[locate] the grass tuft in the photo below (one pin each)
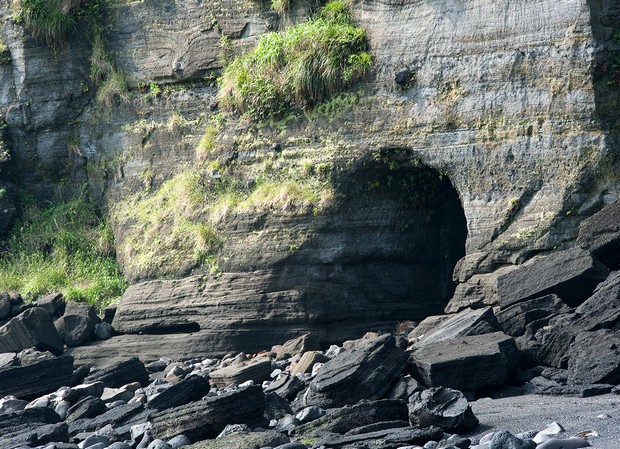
(64, 247)
(299, 67)
(49, 20)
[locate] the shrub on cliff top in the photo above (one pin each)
(64, 247)
(298, 67)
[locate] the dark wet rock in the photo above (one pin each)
(53, 303)
(594, 358)
(103, 331)
(256, 370)
(206, 419)
(120, 374)
(34, 435)
(466, 322)
(79, 374)
(572, 274)
(286, 386)
(5, 305)
(364, 372)
(515, 318)
(467, 363)
(554, 350)
(381, 425)
(115, 416)
(18, 305)
(442, 407)
(403, 388)
(244, 440)
(276, 406)
(77, 324)
(384, 438)
(192, 388)
(33, 328)
(37, 374)
(28, 417)
(363, 413)
(600, 234)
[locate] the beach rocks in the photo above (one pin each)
(441, 407)
(192, 388)
(256, 370)
(77, 324)
(363, 372)
(120, 374)
(594, 358)
(466, 363)
(33, 328)
(572, 274)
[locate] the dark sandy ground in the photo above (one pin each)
(534, 412)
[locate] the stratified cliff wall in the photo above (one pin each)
(513, 109)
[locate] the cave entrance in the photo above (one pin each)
(388, 251)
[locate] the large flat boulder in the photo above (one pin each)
(572, 274)
(466, 322)
(206, 419)
(121, 373)
(36, 375)
(600, 234)
(515, 318)
(467, 363)
(366, 371)
(192, 388)
(33, 328)
(594, 358)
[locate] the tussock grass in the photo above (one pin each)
(49, 20)
(64, 247)
(299, 67)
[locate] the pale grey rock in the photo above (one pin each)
(505, 440)
(179, 441)
(256, 370)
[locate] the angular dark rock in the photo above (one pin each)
(554, 350)
(36, 376)
(466, 322)
(403, 388)
(515, 318)
(381, 425)
(467, 363)
(206, 419)
(192, 388)
(29, 416)
(505, 440)
(364, 372)
(276, 406)
(257, 370)
(384, 438)
(594, 358)
(442, 407)
(5, 305)
(120, 374)
(600, 234)
(116, 416)
(34, 435)
(77, 325)
(88, 407)
(363, 413)
(286, 386)
(244, 440)
(571, 274)
(53, 303)
(33, 328)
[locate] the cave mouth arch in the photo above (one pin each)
(387, 251)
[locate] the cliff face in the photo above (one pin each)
(513, 108)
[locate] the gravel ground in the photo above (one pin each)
(534, 412)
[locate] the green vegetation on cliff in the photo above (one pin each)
(49, 20)
(65, 248)
(299, 67)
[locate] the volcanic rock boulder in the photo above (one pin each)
(467, 322)
(245, 440)
(594, 358)
(33, 328)
(364, 372)
(442, 407)
(467, 363)
(192, 388)
(53, 303)
(572, 274)
(600, 234)
(120, 374)
(77, 325)
(37, 374)
(515, 318)
(384, 438)
(361, 414)
(206, 419)
(257, 370)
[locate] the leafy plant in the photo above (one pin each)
(49, 20)
(5, 54)
(64, 247)
(113, 90)
(299, 67)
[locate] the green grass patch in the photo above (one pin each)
(49, 20)
(299, 67)
(62, 248)
(177, 228)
